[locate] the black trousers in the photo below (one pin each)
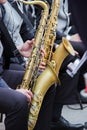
(15, 107)
(45, 115)
(13, 103)
(13, 77)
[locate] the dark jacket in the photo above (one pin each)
(78, 9)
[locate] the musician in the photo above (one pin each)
(7, 72)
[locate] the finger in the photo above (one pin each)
(42, 51)
(30, 93)
(30, 42)
(76, 53)
(42, 63)
(42, 67)
(28, 97)
(33, 40)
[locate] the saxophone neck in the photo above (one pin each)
(43, 4)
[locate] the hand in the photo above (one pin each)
(26, 92)
(42, 65)
(26, 48)
(3, 1)
(75, 38)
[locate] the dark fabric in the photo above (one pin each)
(1, 65)
(30, 32)
(45, 115)
(12, 77)
(2, 12)
(57, 111)
(15, 108)
(79, 47)
(31, 16)
(78, 9)
(16, 67)
(6, 54)
(8, 44)
(3, 84)
(67, 92)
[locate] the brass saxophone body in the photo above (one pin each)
(53, 60)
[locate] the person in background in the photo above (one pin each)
(79, 18)
(66, 28)
(78, 10)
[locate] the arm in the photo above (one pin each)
(26, 48)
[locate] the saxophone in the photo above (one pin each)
(34, 59)
(50, 74)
